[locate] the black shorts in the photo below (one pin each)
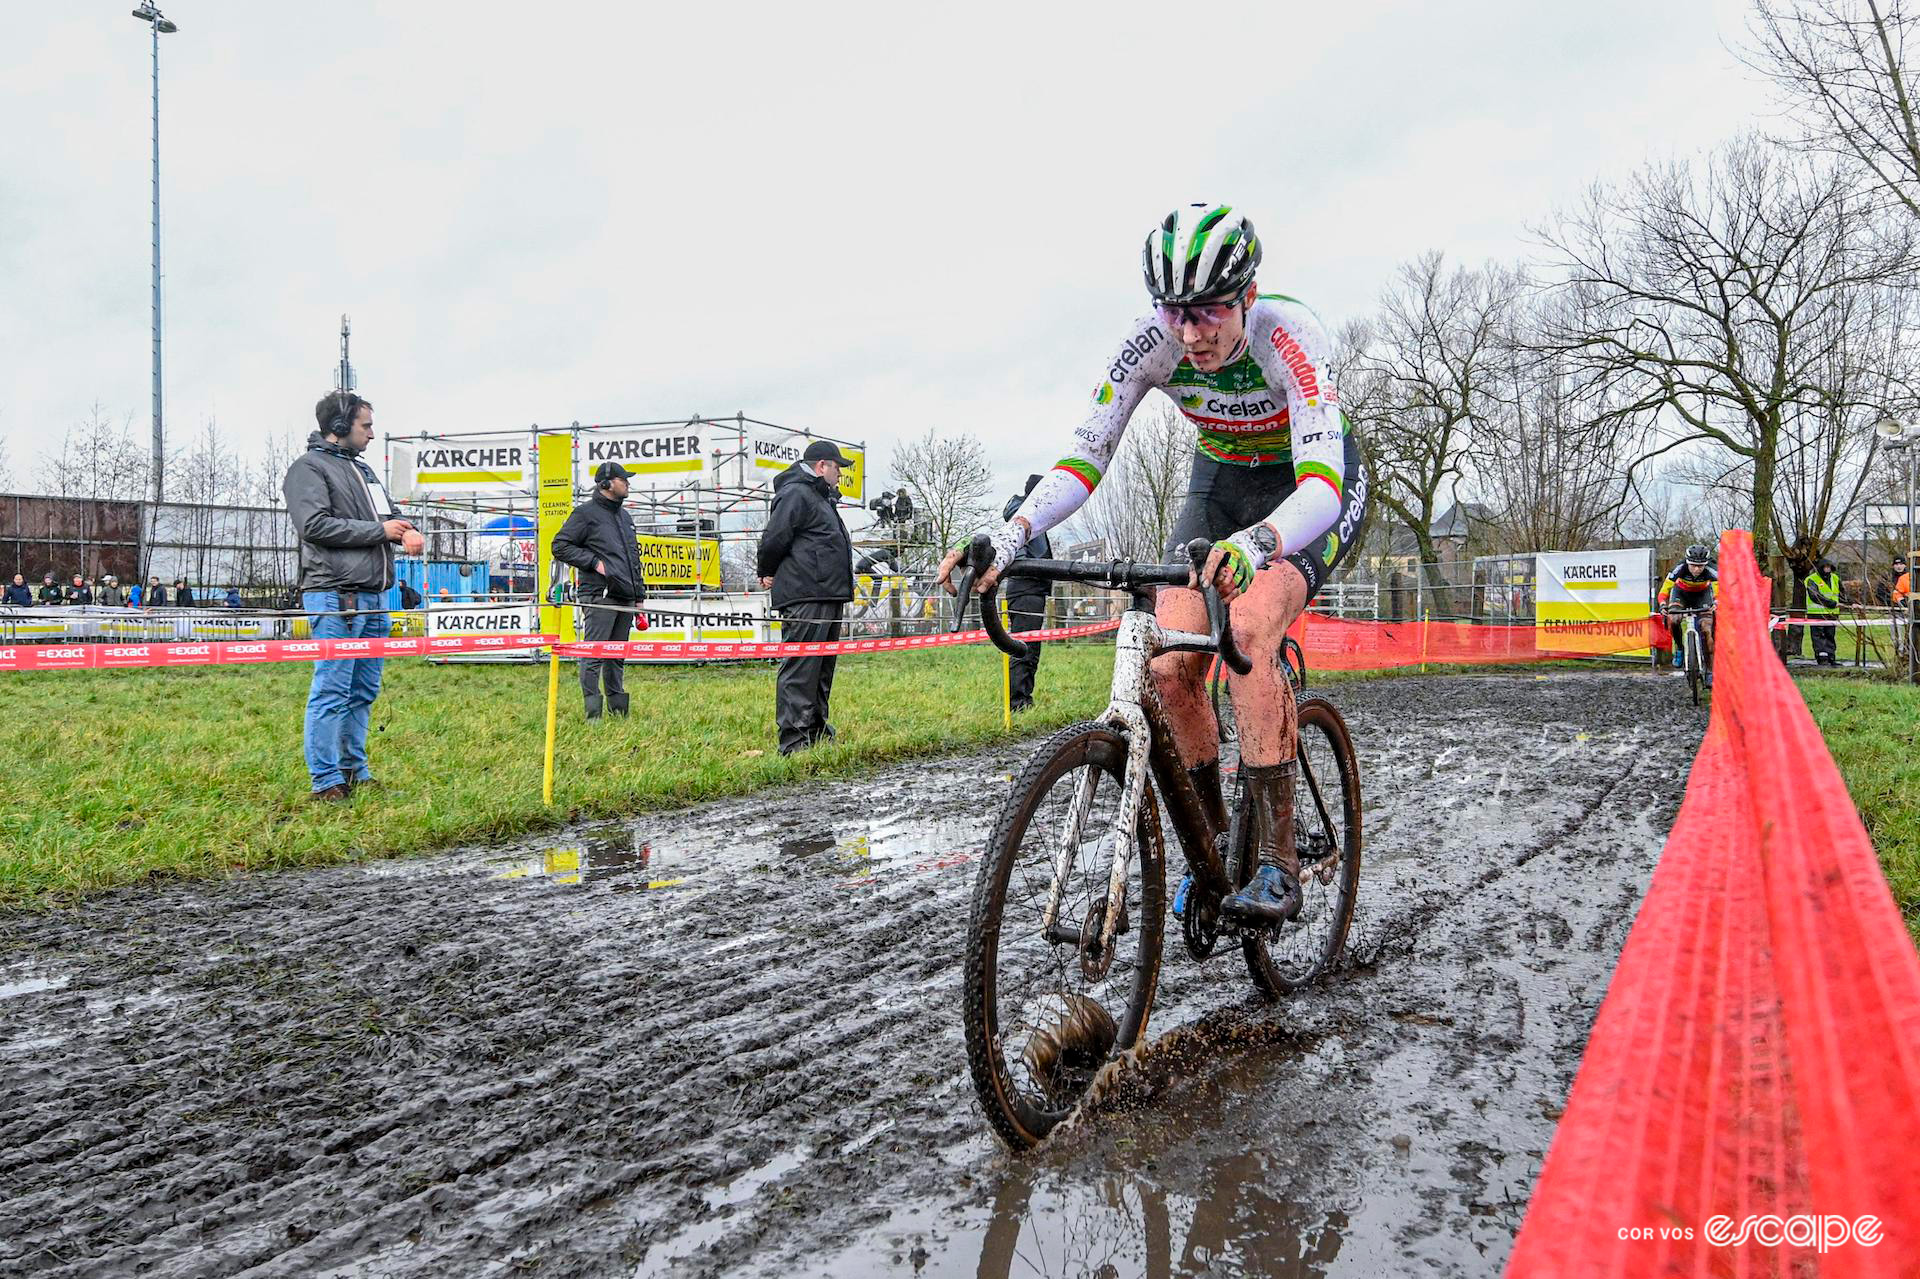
(1222, 499)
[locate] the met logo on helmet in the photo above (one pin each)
(1298, 364)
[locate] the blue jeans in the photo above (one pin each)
(341, 698)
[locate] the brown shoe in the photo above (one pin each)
(364, 783)
(334, 794)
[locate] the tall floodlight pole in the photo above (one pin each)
(152, 16)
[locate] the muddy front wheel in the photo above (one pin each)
(1326, 827)
(1047, 1003)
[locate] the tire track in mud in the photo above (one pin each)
(425, 1068)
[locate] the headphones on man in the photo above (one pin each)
(346, 404)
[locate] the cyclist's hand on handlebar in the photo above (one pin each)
(1007, 540)
(1222, 571)
(981, 585)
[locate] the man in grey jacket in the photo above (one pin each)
(347, 528)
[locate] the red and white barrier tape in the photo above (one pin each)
(62, 657)
(721, 649)
(1781, 621)
(1749, 1101)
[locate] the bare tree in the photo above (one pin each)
(1419, 385)
(1711, 304)
(951, 483)
(1547, 468)
(95, 458)
(1842, 64)
(1139, 497)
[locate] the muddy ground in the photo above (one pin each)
(726, 1040)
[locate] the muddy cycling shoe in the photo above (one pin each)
(1273, 897)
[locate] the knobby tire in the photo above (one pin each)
(1015, 1114)
(1311, 944)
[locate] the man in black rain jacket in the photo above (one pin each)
(598, 540)
(806, 558)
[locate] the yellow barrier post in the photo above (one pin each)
(553, 719)
(1006, 679)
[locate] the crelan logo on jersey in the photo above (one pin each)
(1299, 365)
(1191, 401)
(1136, 349)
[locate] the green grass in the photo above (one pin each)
(1872, 728)
(124, 776)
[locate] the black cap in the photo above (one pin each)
(824, 451)
(608, 472)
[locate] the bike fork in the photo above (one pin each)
(1125, 841)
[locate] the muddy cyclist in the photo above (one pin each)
(1277, 486)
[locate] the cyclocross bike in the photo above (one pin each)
(1693, 647)
(1066, 931)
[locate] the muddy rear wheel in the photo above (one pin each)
(1044, 1012)
(1326, 827)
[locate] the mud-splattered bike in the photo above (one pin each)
(1693, 649)
(1066, 932)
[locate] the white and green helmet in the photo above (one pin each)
(1200, 253)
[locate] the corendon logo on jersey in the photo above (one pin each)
(1136, 349)
(1299, 365)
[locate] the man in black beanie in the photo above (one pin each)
(1026, 606)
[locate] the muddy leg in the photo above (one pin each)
(1269, 739)
(1181, 681)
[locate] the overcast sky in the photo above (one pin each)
(862, 220)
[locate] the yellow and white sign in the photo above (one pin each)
(771, 452)
(486, 619)
(679, 561)
(656, 456)
(462, 466)
(726, 617)
(556, 503)
(1577, 588)
(853, 479)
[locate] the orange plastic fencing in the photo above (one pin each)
(1749, 1102)
(1331, 643)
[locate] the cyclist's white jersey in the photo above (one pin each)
(1271, 404)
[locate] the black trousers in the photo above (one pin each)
(805, 684)
(1824, 637)
(1025, 612)
(604, 624)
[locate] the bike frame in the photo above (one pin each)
(1134, 708)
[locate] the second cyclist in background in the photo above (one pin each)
(1692, 583)
(1277, 485)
